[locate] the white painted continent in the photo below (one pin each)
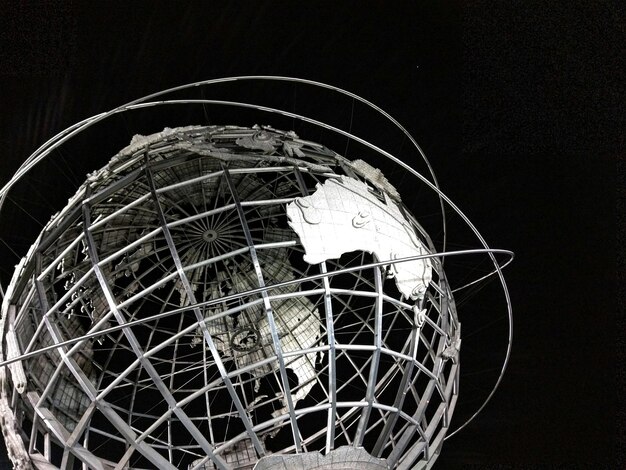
(343, 215)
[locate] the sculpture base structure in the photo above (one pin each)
(343, 458)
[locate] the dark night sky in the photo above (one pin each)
(513, 104)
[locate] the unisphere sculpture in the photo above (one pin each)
(235, 298)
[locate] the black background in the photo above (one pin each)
(514, 104)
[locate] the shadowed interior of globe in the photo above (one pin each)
(233, 346)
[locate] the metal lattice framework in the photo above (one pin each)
(166, 318)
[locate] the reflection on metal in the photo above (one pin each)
(235, 298)
(345, 215)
